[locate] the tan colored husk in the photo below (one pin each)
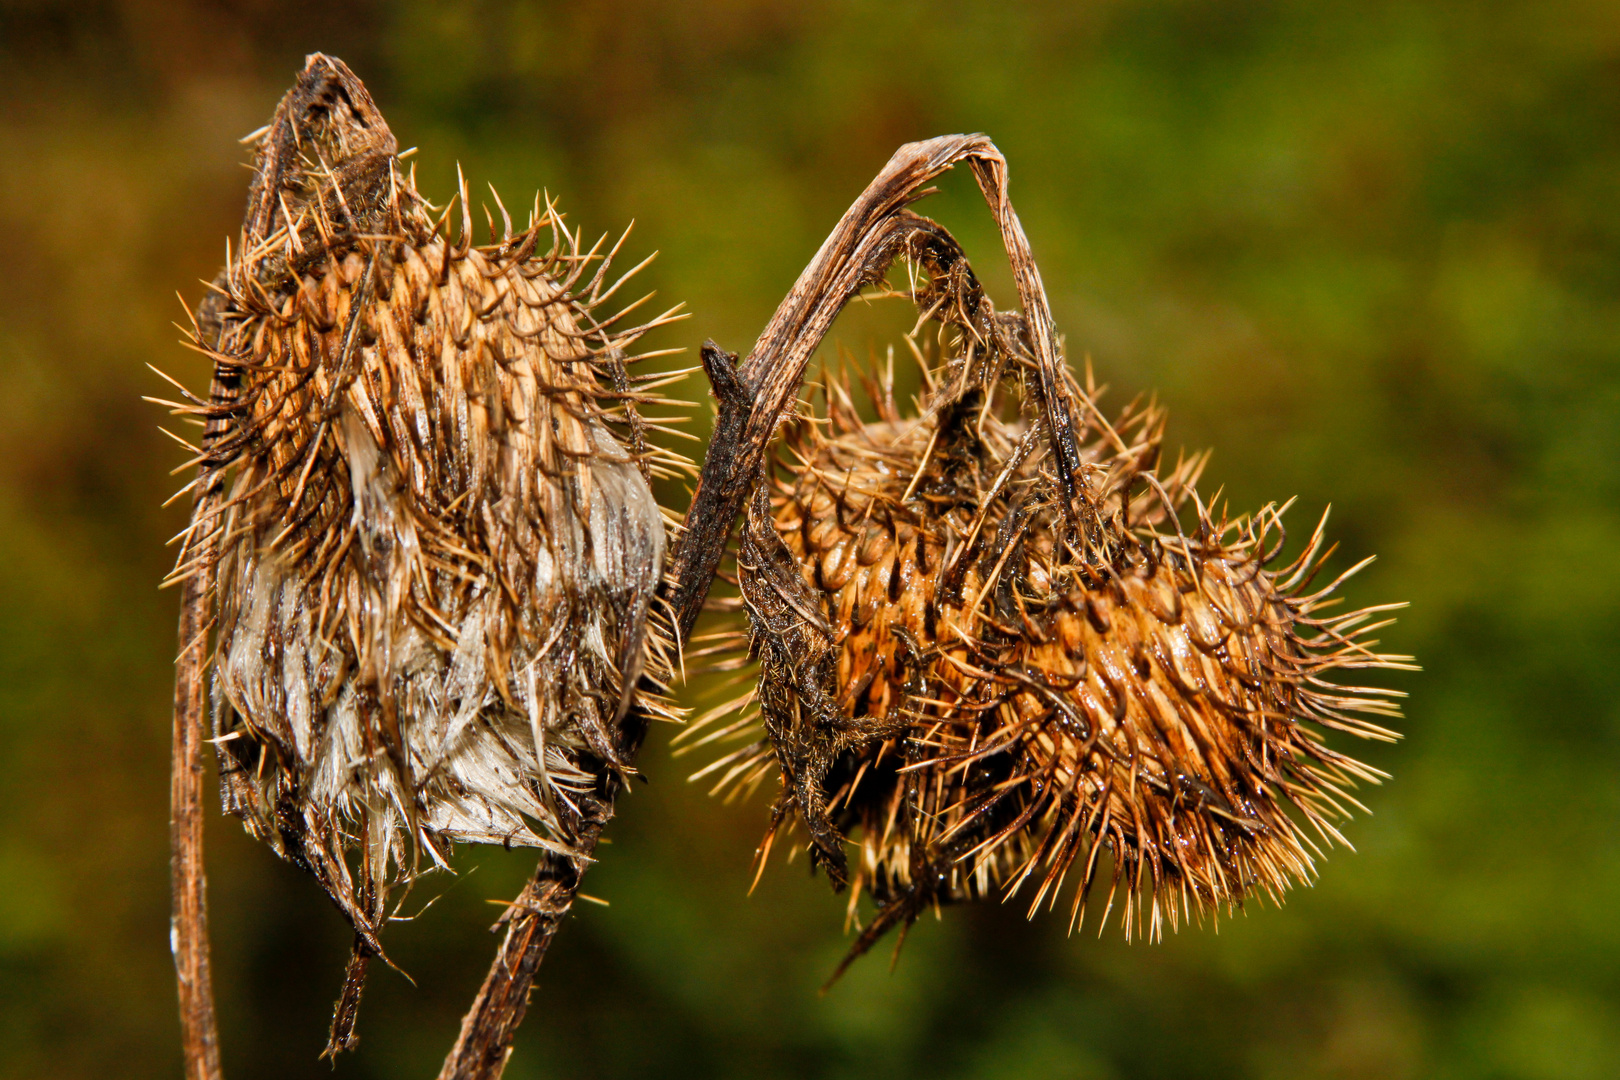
(1005, 702)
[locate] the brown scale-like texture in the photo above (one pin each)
(979, 700)
(426, 515)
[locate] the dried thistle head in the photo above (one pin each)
(424, 513)
(983, 678)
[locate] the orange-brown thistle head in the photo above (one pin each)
(425, 512)
(983, 694)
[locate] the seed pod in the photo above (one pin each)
(425, 511)
(982, 687)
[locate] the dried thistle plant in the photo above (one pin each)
(427, 582)
(984, 668)
(424, 528)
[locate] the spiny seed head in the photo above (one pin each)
(982, 699)
(425, 512)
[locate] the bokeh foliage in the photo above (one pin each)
(1369, 251)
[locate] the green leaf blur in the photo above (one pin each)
(1369, 252)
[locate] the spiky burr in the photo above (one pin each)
(982, 688)
(424, 525)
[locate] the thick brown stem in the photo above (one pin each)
(487, 1030)
(188, 920)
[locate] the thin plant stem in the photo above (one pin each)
(188, 919)
(485, 1042)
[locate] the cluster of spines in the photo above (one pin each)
(1042, 828)
(310, 237)
(270, 470)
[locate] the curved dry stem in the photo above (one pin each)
(757, 394)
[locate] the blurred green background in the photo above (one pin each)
(1369, 252)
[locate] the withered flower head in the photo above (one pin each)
(424, 514)
(984, 678)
